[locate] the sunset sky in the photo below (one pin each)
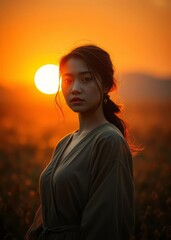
(137, 34)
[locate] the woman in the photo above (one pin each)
(87, 190)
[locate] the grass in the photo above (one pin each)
(23, 158)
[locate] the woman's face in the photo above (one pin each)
(81, 91)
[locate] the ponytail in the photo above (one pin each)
(110, 110)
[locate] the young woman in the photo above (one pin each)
(87, 190)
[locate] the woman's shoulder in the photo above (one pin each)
(61, 142)
(110, 144)
(64, 139)
(109, 132)
(108, 136)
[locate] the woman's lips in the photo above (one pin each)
(76, 100)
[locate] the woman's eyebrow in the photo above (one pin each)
(67, 74)
(85, 72)
(80, 73)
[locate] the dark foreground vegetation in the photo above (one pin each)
(23, 159)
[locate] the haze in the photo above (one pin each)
(137, 34)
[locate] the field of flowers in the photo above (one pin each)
(23, 159)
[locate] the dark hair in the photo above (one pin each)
(100, 64)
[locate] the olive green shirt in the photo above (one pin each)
(89, 195)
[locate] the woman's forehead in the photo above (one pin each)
(74, 65)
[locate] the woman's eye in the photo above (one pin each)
(67, 80)
(86, 79)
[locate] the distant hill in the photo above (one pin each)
(133, 87)
(143, 87)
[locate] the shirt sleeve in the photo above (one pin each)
(109, 212)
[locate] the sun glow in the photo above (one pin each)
(47, 79)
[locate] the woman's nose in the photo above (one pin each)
(76, 88)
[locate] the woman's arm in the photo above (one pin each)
(36, 228)
(109, 212)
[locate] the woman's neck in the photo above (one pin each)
(89, 122)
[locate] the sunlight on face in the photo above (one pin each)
(47, 79)
(80, 88)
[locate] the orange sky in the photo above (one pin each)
(136, 33)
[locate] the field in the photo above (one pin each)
(26, 146)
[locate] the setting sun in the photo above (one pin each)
(47, 79)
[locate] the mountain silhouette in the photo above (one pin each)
(144, 87)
